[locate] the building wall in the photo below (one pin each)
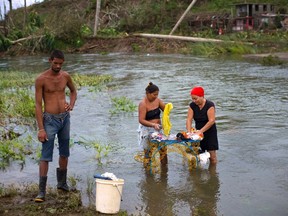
(243, 10)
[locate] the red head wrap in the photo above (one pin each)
(198, 90)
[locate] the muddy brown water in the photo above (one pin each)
(251, 177)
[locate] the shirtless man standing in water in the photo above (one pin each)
(53, 119)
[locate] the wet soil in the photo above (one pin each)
(56, 203)
(281, 55)
(131, 44)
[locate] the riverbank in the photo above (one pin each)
(127, 44)
(132, 44)
(20, 201)
(136, 44)
(283, 56)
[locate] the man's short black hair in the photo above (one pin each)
(57, 54)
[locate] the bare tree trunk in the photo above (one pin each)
(25, 13)
(185, 38)
(10, 5)
(8, 19)
(5, 20)
(182, 17)
(194, 39)
(98, 5)
(27, 38)
(2, 15)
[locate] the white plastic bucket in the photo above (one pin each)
(108, 195)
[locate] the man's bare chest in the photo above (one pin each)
(55, 85)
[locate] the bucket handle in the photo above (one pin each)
(119, 192)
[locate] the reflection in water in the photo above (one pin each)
(154, 189)
(206, 189)
(199, 194)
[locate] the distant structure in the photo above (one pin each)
(245, 17)
(284, 22)
(204, 21)
(252, 16)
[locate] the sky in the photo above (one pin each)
(15, 4)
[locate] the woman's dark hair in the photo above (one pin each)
(57, 54)
(151, 88)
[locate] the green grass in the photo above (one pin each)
(122, 105)
(95, 82)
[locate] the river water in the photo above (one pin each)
(251, 177)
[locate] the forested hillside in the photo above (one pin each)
(68, 23)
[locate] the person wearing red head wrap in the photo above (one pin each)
(202, 111)
(198, 90)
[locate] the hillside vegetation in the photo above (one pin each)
(69, 25)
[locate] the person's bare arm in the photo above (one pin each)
(38, 102)
(42, 136)
(73, 94)
(161, 105)
(189, 119)
(142, 114)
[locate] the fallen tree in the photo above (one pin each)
(27, 38)
(193, 39)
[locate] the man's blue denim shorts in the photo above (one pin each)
(56, 124)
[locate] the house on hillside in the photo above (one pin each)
(252, 16)
(246, 16)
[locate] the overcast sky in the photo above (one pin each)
(15, 4)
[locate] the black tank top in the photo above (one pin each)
(153, 114)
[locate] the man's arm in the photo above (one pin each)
(42, 136)
(73, 93)
(38, 102)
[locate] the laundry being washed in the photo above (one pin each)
(106, 176)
